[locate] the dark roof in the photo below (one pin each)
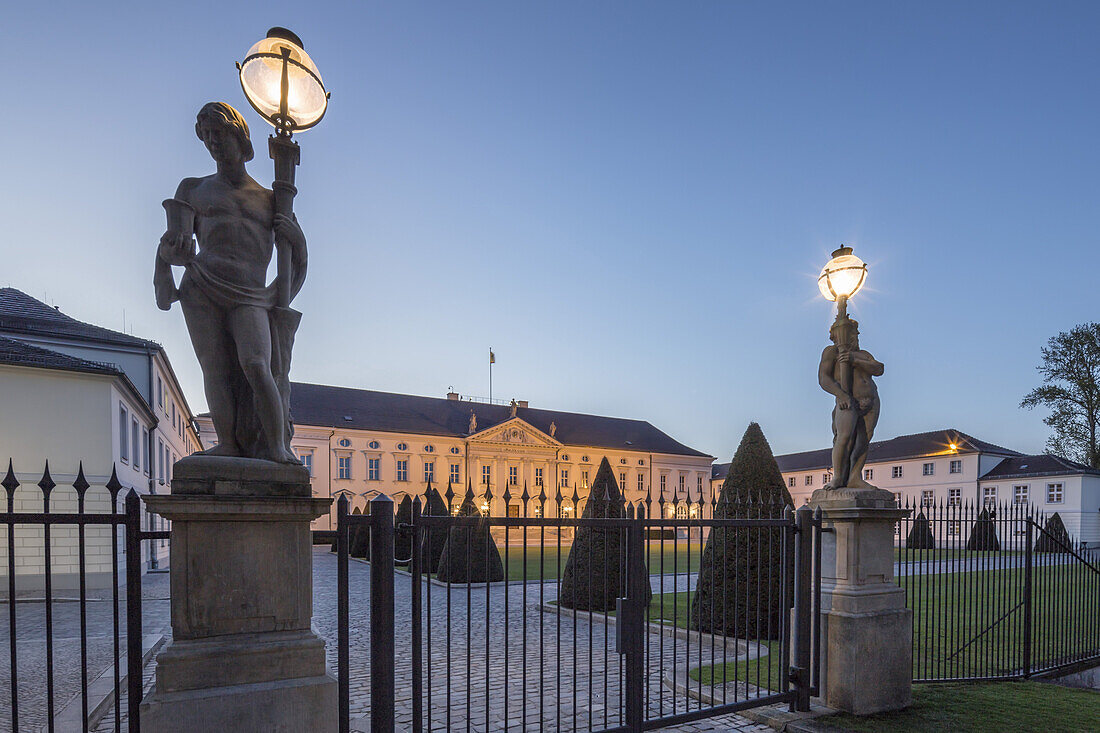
(1043, 464)
(719, 470)
(936, 442)
(20, 313)
(362, 409)
(22, 354)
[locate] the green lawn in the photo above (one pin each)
(985, 707)
(547, 563)
(927, 556)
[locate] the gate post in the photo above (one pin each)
(803, 570)
(382, 659)
(1028, 558)
(867, 632)
(630, 624)
(133, 611)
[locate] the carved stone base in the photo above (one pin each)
(867, 632)
(243, 656)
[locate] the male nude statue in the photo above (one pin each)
(846, 372)
(236, 326)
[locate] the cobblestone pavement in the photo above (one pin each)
(30, 639)
(583, 690)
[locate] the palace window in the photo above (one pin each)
(160, 460)
(344, 466)
(160, 392)
(681, 483)
(898, 498)
(307, 461)
(826, 478)
(989, 496)
(455, 450)
(402, 469)
(790, 482)
(682, 511)
(868, 474)
(956, 466)
(374, 469)
(664, 481)
(584, 478)
(513, 510)
(1054, 493)
(429, 471)
(699, 485)
(565, 478)
(402, 446)
(1019, 494)
(145, 451)
(538, 476)
(344, 443)
(895, 472)
(622, 480)
(513, 476)
(928, 469)
(954, 497)
(926, 497)
(486, 474)
(809, 480)
(123, 433)
(565, 510)
(953, 527)
(454, 473)
(373, 445)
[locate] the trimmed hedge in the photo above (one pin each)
(920, 535)
(431, 545)
(470, 554)
(740, 590)
(402, 541)
(983, 535)
(1055, 538)
(593, 576)
(359, 538)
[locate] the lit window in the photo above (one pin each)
(513, 510)
(123, 434)
(956, 467)
(584, 478)
(1019, 494)
(868, 474)
(429, 471)
(344, 464)
(135, 439)
(809, 479)
(538, 476)
(454, 473)
(1054, 493)
(374, 469)
(486, 474)
(565, 511)
(403, 469)
(565, 477)
(953, 527)
(926, 497)
(954, 497)
(895, 472)
(928, 469)
(513, 475)
(989, 496)
(681, 511)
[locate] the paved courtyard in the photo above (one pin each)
(541, 671)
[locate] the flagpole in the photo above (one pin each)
(491, 360)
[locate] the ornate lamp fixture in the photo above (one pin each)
(282, 84)
(842, 277)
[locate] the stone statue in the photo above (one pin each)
(242, 334)
(513, 407)
(846, 372)
(553, 428)
(473, 423)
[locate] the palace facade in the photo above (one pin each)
(360, 443)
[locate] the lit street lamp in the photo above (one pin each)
(283, 85)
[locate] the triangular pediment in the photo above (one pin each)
(515, 431)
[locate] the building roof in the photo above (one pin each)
(362, 409)
(20, 313)
(936, 442)
(1043, 464)
(18, 353)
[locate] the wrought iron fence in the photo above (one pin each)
(635, 625)
(43, 538)
(997, 592)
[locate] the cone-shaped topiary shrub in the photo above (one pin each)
(433, 540)
(740, 590)
(359, 538)
(593, 576)
(920, 535)
(1054, 537)
(983, 535)
(402, 541)
(470, 554)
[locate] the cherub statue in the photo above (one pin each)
(241, 332)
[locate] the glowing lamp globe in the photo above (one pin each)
(282, 83)
(843, 276)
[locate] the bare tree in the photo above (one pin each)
(1071, 389)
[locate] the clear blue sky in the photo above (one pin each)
(629, 201)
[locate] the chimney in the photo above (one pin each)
(521, 403)
(452, 395)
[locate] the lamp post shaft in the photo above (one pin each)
(286, 154)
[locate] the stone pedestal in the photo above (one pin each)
(867, 632)
(243, 656)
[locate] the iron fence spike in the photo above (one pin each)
(113, 484)
(10, 483)
(80, 484)
(46, 482)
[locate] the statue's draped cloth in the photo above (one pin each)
(283, 323)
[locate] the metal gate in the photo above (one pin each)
(619, 641)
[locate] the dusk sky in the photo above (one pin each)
(630, 202)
